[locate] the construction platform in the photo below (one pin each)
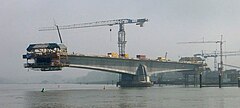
(136, 71)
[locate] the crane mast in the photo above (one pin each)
(215, 55)
(221, 57)
(121, 33)
(220, 67)
(121, 40)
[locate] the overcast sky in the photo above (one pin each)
(170, 21)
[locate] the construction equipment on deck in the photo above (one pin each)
(220, 67)
(121, 33)
(46, 57)
(216, 54)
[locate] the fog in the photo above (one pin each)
(170, 22)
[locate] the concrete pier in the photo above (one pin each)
(141, 79)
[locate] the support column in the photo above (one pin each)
(140, 79)
(220, 80)
(200, 80)
(186, 80)
(238, 82)
(194, 80)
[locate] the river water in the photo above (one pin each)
(95, 96)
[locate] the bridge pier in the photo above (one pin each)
(186, 81)
(140, 79)
(190, 78)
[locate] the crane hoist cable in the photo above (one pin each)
(121, 33)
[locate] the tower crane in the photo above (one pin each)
(220, 67)
(216, 54)
(121, 33)
(207, 55)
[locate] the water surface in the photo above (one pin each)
(94, 96)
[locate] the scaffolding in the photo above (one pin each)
(46, 56)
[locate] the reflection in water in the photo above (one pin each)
(154, 97)
(109, 98)
(49, 99)
(132, 97)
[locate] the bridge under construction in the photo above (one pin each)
(134, 71)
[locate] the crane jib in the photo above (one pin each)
(121, 33)
(98, 23)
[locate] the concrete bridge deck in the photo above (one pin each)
(127, 66)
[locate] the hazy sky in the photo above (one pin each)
(170, 21)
